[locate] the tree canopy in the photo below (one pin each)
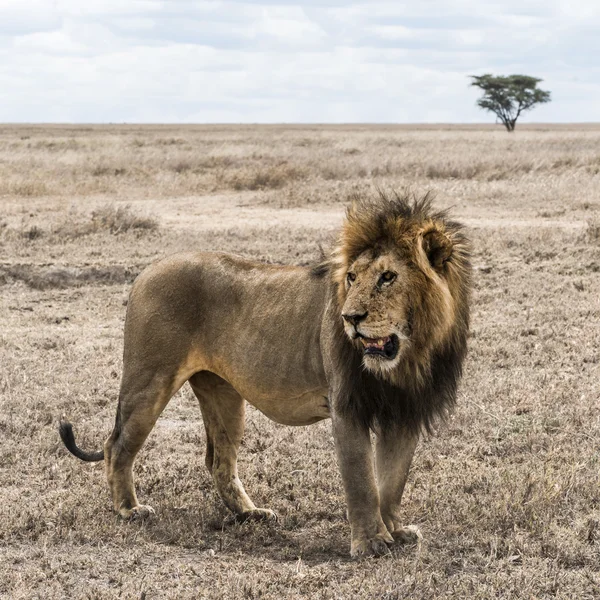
(509, 96)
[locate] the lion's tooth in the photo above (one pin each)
(380, 342)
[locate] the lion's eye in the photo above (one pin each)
(387, 277)
(351, 277)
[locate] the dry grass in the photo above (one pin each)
(163, 162)
(507, 494)
(593, 230)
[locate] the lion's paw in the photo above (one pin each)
(141, 512)
(256, 514)
(375, 546)
(407, 535)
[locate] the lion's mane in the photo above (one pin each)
(423, 386)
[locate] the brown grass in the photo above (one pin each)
(593, 230)
(65, 161)
(507, 493)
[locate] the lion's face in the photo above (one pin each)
(398, 315)
(396, 300)
(376, 311)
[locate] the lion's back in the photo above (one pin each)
(228, 305)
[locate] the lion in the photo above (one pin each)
(373, 338)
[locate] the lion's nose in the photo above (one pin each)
(355, 318)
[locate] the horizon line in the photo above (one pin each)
(291, 123)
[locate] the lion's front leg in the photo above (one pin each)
(355, 457)
(394, 451)
(223, 412)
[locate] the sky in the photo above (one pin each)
(185, 61)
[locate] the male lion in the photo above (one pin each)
(374, 339)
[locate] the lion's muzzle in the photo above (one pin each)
(386, 347)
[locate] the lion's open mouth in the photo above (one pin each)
(386, 347)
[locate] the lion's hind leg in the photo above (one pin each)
(143, 397)
(223, 411)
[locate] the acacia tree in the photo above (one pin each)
(509, 96)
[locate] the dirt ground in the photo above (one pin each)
(506, 493)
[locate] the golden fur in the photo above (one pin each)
(373, 338)
(434, 256)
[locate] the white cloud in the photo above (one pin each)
(182, 60)
(18, 18)
(95, 8)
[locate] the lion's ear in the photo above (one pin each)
(438, 247)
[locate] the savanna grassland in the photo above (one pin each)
(506, 493)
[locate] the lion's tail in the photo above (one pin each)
(65, 429)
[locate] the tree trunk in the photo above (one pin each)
(509, 123)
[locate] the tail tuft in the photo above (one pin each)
(65, 429)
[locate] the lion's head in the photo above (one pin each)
(401, 282)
